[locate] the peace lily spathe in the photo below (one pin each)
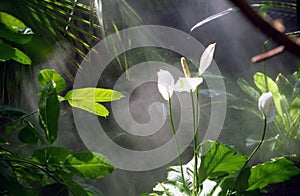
(166, 85)
(206, 58)
(267, 106)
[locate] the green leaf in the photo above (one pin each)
(11, 22)
(275, 171)
(49, 111)
(53, 154)
(47, 75)
(8, 52)
(93, 95)
(89, 165)
(11, 112)
(21, 57)
(87, 98)
(245, 86)
(266, 84)
(285, 86)
(9, 182)
(13, 29)
(20, 37)
(73, 187)
(27, 135)
(218, 160)
(92, 107)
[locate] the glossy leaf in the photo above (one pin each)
(53, 154)
(245, 86)
(73, 186)
(8, 52)
(11, 22)
(21, 57)
(93, 95)
(20, 37)
(13, 29)
(285, 87)
(275, 171)
(49, 111)
(47, 75)
(89, 165)
(9, 182)
(218, 160)
(265, 84)
(88, 98)
(11, 112)
(27, 135)
(92, 107)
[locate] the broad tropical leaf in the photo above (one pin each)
(49, 111)
(53, 154)
(265, 84)
(47, 75)
(89, 165)
(88, 98)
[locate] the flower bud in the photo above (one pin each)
(267, 106)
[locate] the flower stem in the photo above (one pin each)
(258, 146)
(195, 122)
(176, 141)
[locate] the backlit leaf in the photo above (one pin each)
(275, 171)
(46, 75)
(266, 84)
(89, 165)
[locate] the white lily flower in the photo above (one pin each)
(165, 84)
(187, 84)
(267, 106)
(206, 58)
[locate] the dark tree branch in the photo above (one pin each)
(267, 28)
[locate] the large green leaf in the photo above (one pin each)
(8, 52)
(11, 112)
(53, 154)
(46, 75)
(21, 57)
(49, 111)
(285, 87)
(93, 94)
(73, 186)
(89, 165)
(13, 29)
(11, 22)
(27, 135)
(218, 160)
(275, 171)
(21, 37)
(266, 84)
(92, 107)
(9, 182)
(88, 98)
(245, 86)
